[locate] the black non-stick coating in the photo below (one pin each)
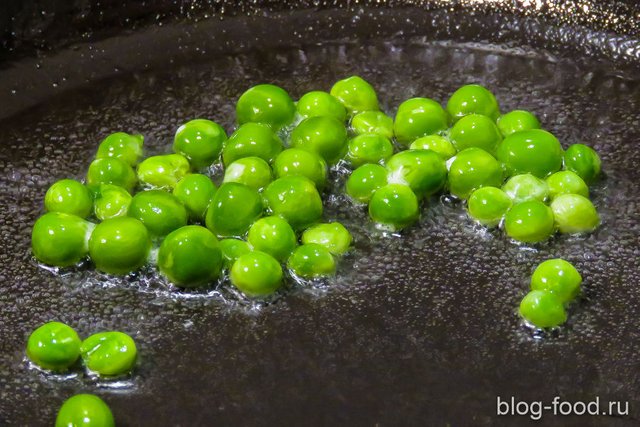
(418, 329)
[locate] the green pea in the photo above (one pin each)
(200, 141)
(195, 192)
(372, 122)
(84, 410)
(159, 211)
(558, 277)
(418, 117)
(53, 346)
(60, 239)
(529, 222)
(333, 236)
(69, 196)
(394, 206)
(584, 161)
(324, 136)
(267, 104)
(164, 171)
(566, 182)
(109, 354)
(119, 245)
(516, 121)
(111, 171)
(296, 199)
(422, 170)
(232, 249)
(369, 148)
(534, 151)
(574, 214)
(437, 143)
(256, 274)
(488, 205)
(471, 169)
(364, 181)
(233, 209)
(310, 261)
(543, 309)
(190, 257)
(273, 235)
(321, 104)
(252, 140)
(355, 94)
(524, 187)
(110, 201)
(250, 171)
(475, 130)
(121, 145)
(297, 162)
(473, 99)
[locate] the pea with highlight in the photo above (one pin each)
(200, 141)
(267, 104)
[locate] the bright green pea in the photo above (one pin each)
(53, 346)
(84, 410)
(473, 99)
(574, 214)
(252, 140)
(418, 117)
(333, 236)
(422, 170)
(516, 121)
(364, 181)
(119, 245)
(69, 196)
(110, 201)
(296, 199)
(232, 249)
(164, 171)
(584, 161)
(471, 169)
(355, 94)
(372, 122)
(256, 274)
(273, 235)
(488, 205)
(369, 148)
(524, 187)
(200, 141)
(566, 182)
(437, 143)
(267, 104)
(297, 162)
(310, 261)
(233, 209)
(159, 211)
(475, 130)
(324, 136)
(534, 151)
(321, 104)
(121, 145)
(60, 239)
(109, 353)
(542, 309)
(529, 222)
(394, 206)
(111, 171)
(190, 257)
(195, 192)
(558, 277)
(250, 171)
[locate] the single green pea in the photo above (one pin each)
(566, 182)
(369, 148)
(418, 117)
(321, 104)
(159, 211)
(267, 104)
(273, 235)
(252, 140)
(437, 143)
(394, 206)
(473, 99)
(422, 170)
(310, 261)
(195, 192)
(324, 136)
(111, 171)
(256, 274)
(250, 171)
(333, 236)
(296, 199)
(543, 309)
(190, 257)
(534, 151)
(524, 187)
(475, 130)
(109, 354)
(53, 346)
(516, 121)
(233, 209)
(488, 205)
(558, 277)
(574, 214)
(123, 146)
(355, 94)
(471, 169)
(297, 162)
(364, 181)
(119, 245)
(200, 141)
(110, 201)
(584, 161)
(372, 122)
(60, 239)
(232, 249)
(69, 196)
(164, 171)
(84, 410)
(529, 222)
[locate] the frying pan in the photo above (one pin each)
(416, 330)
